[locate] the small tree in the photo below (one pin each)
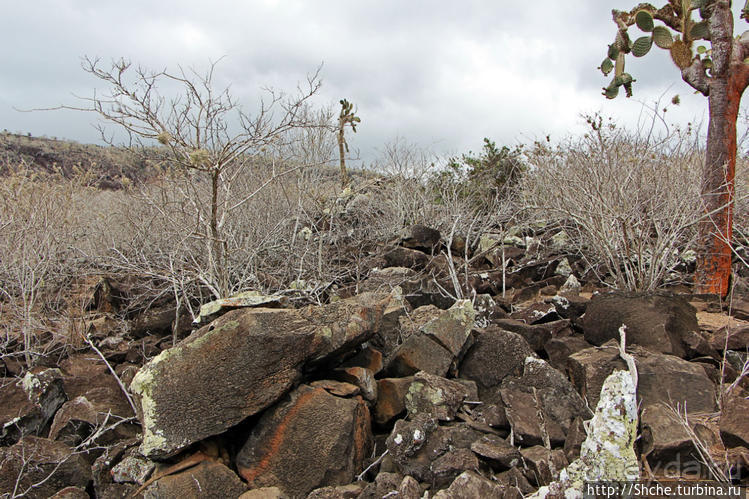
(491, 173)
(203, 131)
(718, 72)
(347, 117)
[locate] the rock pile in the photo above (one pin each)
(401, 387)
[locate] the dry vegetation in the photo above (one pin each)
(629, 204)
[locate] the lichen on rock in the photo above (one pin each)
(607, 454)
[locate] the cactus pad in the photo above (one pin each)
(642, 46)
(611, 91)
(699, 31)
(662, 37)
(606, 66)
(681, 54)
(613, 51)
(644, 21)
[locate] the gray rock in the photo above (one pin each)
(437, 397)
(661, 377)
(657, 322)
(495, 354)
(239, 365)
(470, 485)
(206, 480)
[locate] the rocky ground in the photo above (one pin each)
(426, 379)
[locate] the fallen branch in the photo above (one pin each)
(377, 461)
(117, 378)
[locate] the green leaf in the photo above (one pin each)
(662, 37)
(644, 21)
(642, 46)
(606, 66)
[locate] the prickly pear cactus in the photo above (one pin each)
(642, 46)
(670, 27)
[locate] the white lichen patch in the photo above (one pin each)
(398, 439)
(30, 383)
(142, 384)
(534, 362)
(537, 314)
(563, 302)
(154, 439)
(607, 454)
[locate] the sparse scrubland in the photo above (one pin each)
(115, 258)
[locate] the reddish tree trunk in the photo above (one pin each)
(714, 263)
(728, 79)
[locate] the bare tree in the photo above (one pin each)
(204, 132)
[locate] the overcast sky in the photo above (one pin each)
(443, 74)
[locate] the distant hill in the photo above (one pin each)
(108, 165)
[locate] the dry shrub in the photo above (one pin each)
(632, 201)
(42, 216)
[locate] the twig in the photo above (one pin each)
(117, 378)
(377, 461)
(625, 356)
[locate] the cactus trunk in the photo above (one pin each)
(342, 155)
(728, 81)
(714, 263)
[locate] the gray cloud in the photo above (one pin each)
(442, 74)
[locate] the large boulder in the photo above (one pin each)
(658, 322)
(662, 378)
(495, 354)
(312, 440)
(239, 365)
(434, 339)
(541, 404)
(437, 397)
